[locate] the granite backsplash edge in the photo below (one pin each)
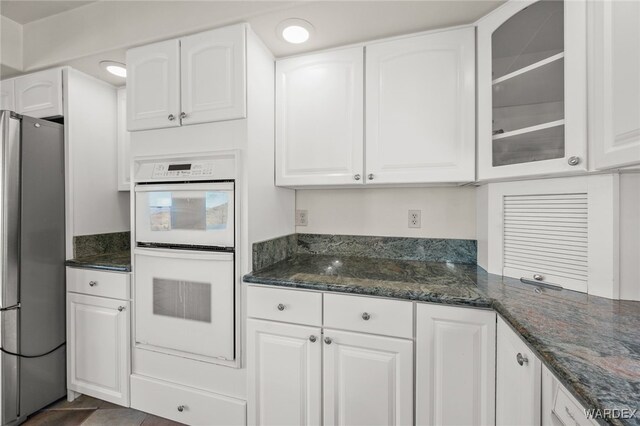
(97, 244)
(269, 252)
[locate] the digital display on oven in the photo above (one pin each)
(174, 167)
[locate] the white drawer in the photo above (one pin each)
(98, 283)
(369, 315)
(186, 405)
(301, 307)
(568, 410)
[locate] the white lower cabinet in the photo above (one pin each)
(518, 380)
(286, 373)
(186, 405)
(368, 379)
(455, 365)
(559, 407)
(98, 347)
(306, 375)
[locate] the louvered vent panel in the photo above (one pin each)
(546, 235)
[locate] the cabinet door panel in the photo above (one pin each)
(39, 94)
(213, 75)
(7, 95)
(532, 90)
(518, 386)
(368, 380)
(420, 124)
(615, 83)
(319, 119)
(284, 367)
(455, 363)
(153, 86)
(98, 354)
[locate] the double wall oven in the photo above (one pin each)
(185, 256)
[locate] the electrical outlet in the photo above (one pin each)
(415, 218)
(302, 218)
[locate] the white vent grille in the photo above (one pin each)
(547, 235)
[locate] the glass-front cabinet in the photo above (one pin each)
(532, 89)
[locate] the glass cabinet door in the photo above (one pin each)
(526, 79)
(528, 85)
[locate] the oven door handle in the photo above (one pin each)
(187, 186)
(183, 254)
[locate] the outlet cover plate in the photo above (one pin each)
(302, 218)
(415, 218)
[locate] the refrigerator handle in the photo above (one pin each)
(10, 131)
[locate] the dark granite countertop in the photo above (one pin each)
(592, 344)
(118, 261)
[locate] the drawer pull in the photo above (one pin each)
(366, 316)
(312, 339)
(328, 340)
(181, 408)
(281, 307)
(521, 359)
(93, 283)
(569, 413)
(121, 308)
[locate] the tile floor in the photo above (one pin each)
(88, 411)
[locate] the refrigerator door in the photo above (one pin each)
(10, 262)
(42, 255)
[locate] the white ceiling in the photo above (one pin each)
(104, 30)
(25, 11)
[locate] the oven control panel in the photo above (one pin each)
(182, 170)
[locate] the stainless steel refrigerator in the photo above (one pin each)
(32, 276)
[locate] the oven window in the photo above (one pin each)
(187, 300)
(217, 210)
(160, 211)
(191, 211)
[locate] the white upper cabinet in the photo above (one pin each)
(124, 143)
(532, 89)
(518, 380)
(420, 108)
(39, 94)
(614, 72)
(7, 95)
(153, 86)
(419, 125)
(213, 76)
(196, 79)
(319, 118)
(455, 365)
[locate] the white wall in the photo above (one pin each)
(447, 212)
(10, 44)
(630, 236)
(97, 206)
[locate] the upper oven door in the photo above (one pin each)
(191, 214)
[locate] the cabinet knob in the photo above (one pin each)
(181, 408)
(93, 283)
(366, 316)
(281, 307)
(183, 115)
(573, 161)
(521, 359)
(121, 308)
(357, 177)
(312, 339)
(328, 340)
(171, 117)
(370, 176)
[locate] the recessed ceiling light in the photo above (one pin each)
(295, 30)
(116, 68)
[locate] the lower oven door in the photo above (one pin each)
(184, 302)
